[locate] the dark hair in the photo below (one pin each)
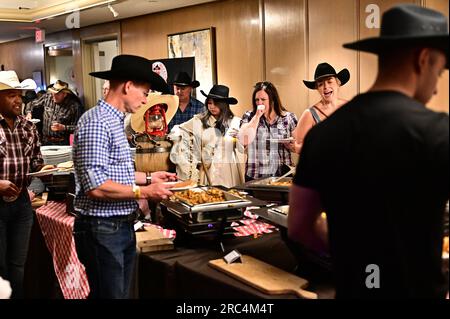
(274, 98)
(225, 115)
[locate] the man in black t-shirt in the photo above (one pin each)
(379, 167)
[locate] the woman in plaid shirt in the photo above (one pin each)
(261, 128)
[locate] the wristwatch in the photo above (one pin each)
(148, 178)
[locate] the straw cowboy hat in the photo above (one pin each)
(407, 24)
(171, 101)
(183, 79)
(326, 70)
(10, 81)
(60, 86)
(133, 68)
(220, 93)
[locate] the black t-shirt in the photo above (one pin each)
(381, 166)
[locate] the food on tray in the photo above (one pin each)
(187, 183)
(237, 193)
(47, 167)
(281, 183)
(68, 164)
(195, 197)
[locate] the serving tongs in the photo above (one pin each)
(291, 171)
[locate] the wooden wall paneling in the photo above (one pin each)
(23, 56)
(238, 40)
(285, 51)
(440, 102)
(369, 62)
(331, 24)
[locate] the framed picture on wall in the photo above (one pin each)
(201, 45)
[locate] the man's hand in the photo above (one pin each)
(57, 127)
(159, 177)
(156, 192)
(8, 189)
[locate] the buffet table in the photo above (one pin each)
(179, 273)
(184, 272)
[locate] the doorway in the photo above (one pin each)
(59, 65)
(97, 56)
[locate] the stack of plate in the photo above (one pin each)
(55, 154)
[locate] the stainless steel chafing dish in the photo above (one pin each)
(184, 206)
(270, 184)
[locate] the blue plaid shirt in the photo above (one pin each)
(194, 107)
(101, 153)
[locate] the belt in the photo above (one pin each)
(120, 218)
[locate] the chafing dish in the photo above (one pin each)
(270, 184)
(274, 214)
(183, 205)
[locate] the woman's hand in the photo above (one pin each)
(290, 146)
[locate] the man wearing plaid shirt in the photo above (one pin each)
(188, 105)
(106, 183)
(19, 153)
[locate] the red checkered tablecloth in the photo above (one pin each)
(57, 228)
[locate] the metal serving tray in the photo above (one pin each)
(265, 184)
(184, 207)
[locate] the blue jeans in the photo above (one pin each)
(107, 249)
(16, 219)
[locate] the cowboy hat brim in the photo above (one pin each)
(23, 86)
(137, 119)
(379, 44)
(52, 90)
(343, 76)
(156, 82)
(194, 84)
(229, 100)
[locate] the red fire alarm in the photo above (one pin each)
(39, 35)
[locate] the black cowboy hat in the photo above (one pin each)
(220, 93)
(183, 79)
(407, 24)
(325, 70)
(133, 68)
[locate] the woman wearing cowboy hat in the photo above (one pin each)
(204, 148)
(327, 82)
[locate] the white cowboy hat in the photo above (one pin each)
(137, 119)
(10, 81)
